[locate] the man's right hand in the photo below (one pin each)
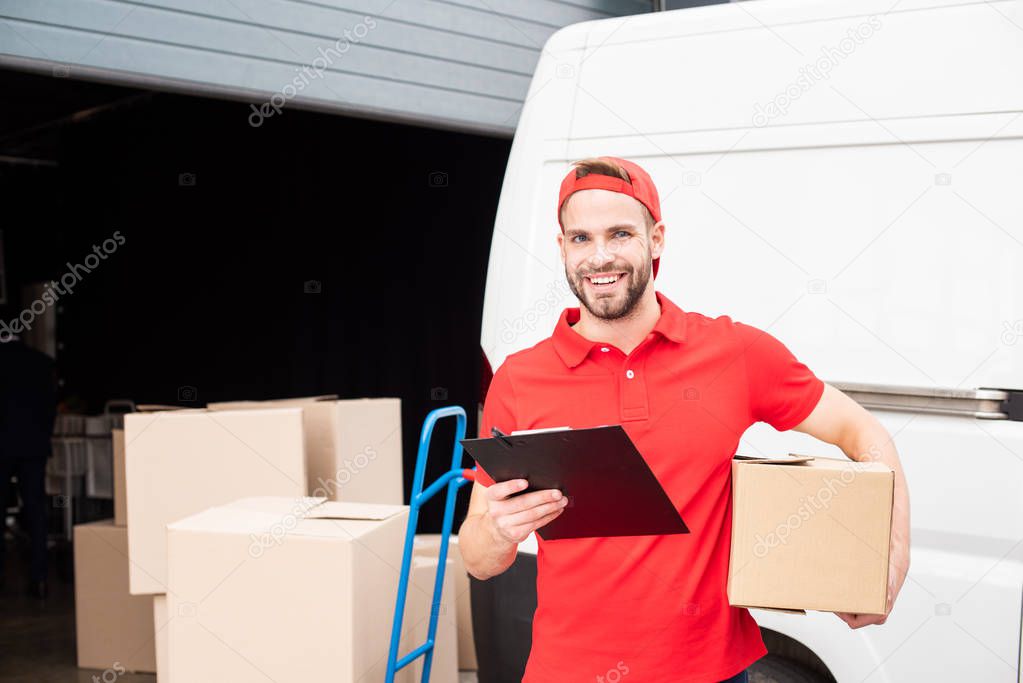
(511, 520)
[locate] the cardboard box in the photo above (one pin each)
(114, 629)
(353, 447)
(120, 488)
(810, 533)
(415, 624)
(183, 461)
(428, 545)
(161, 630)
(289, 590)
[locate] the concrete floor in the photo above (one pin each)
(37, 638)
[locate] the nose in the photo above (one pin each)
(600, 256)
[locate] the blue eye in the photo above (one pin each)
(576, 238)
(622, 233)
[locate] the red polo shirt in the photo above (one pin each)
(652, 607)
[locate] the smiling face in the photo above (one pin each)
(608, 246)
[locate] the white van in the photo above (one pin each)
(849, 177)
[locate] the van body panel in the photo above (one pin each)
(873, 222)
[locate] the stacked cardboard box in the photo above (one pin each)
(161, 622)
(183, 461)
(428, 545)
(353, 447)
(120, 488)
(113, 627)
(416, 622)
(173, 464)
(286, 589)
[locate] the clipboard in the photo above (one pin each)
(611, 490)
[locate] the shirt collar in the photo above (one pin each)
(573, 347)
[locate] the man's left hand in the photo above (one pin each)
(898, 567)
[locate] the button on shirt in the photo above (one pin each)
(685, 395)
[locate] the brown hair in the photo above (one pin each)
(602, 166)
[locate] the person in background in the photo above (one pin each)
(28, 408)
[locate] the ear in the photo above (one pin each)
(657, 239)
(561, 246)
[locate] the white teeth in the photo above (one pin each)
(605, 280)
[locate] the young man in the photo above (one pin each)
(684, 387)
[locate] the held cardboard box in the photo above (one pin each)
(181, 462)
(415, 624)
(114, 628)
(353, 447)
(284, 589)
(120, 497)
(161, 629)
(428, 545)
(810, 534)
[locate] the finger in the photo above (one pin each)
(546, 519)
(851, 620)
(861, 620)
(526, 501)
(523, 531)
(502, 490)
(531, 515)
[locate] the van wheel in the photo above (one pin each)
(774, 669)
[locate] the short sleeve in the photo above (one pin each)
(782, 390)
(498, 411)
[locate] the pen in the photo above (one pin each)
(498, 434)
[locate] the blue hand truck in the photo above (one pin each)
(453, 479)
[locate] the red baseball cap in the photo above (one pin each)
(641, 189)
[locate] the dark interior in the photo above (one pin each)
(314, 254)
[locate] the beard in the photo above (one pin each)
(619, 305)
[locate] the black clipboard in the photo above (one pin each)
(611, 490)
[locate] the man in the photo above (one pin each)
(684, 387)
(28, 408)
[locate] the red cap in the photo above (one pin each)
(642, 189)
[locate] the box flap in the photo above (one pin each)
(783, 610)
(305, 399)
(246, 515)
(302, 516)
(790, 459)
(278, 504)
(365, 511)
